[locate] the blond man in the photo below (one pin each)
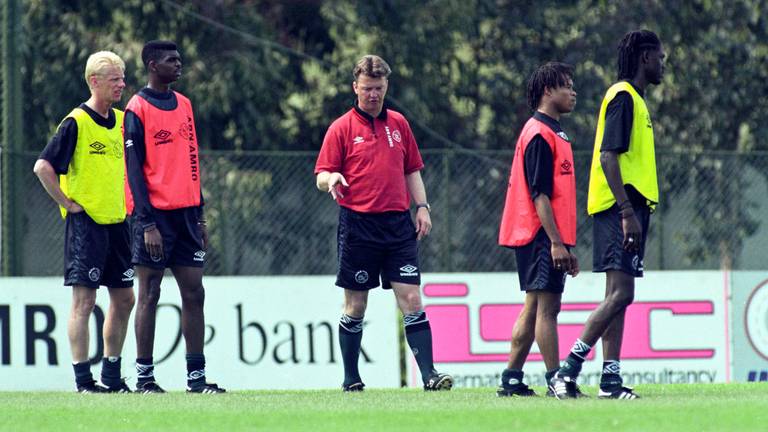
(83, 170)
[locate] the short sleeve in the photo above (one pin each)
(538, 166)
(618, 123)
(331, 153)
(413, 160)
(60, 149)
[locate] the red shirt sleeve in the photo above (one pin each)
(413, 161)
(332, 152)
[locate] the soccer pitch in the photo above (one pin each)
(712, 407)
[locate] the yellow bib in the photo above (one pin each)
(96, 175)
(638, 164)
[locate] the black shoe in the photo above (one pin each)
(91, 387)
(354, 387)
(149, 387)
(439, 382)
(515, 390)
(619, 392)
(565, 387)
(122, 387)
(205, 388)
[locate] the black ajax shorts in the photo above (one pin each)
(535, 268)
(96, 254)
(182, 240)
(376, 245)
(608, 253)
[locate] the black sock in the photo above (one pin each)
(350, 337)
(511, 378)
(572, 364)
(195, 369)
(611, 377)
(145, 371)
(110, 371)
(418, 333)
(83, 373)
(549, 374)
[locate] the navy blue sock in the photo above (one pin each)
(195, 369)
(511, 378)
(418, 333)
(83, 373)
(110, 371)
(549, 374)
(350, 338)
(611, 376)
(571, 367)
(145, 371)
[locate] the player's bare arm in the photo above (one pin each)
(419, 194)
(633, 233)
(561, 257)
(50, 181)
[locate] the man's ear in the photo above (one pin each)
(644, 57)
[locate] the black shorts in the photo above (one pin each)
(96, 254)
(607, 249)
(182, 240)
(535, 268)
(373, 246)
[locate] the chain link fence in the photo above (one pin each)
(266, 217)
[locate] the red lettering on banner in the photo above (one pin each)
(452, 330)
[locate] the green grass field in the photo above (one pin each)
(713, 407)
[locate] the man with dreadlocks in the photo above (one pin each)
(623, 191)
(539, 221)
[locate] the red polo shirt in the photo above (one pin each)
(374, 155)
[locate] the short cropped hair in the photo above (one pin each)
(101, 60)
(552, 75)
(631, 47)
(372, 66)
(153, 50)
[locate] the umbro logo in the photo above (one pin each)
(199, 255)
(98, 148)
(163, 137)
(128, 275)
(566, 167)
(562, 135)
(358, 140)
(128, 143)
(409, 270)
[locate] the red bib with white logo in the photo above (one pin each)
(520, 222)
(172, 164)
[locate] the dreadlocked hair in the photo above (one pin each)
(551, 75)
(631, 48)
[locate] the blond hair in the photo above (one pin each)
(101, 60)
(372, 66)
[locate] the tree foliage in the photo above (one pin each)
(271, 75)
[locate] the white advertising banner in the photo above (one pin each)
(675, 331)
(262, 333)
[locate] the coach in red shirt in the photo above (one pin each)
(370, 165)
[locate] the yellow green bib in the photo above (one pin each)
(96, 175)
(638, 164)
